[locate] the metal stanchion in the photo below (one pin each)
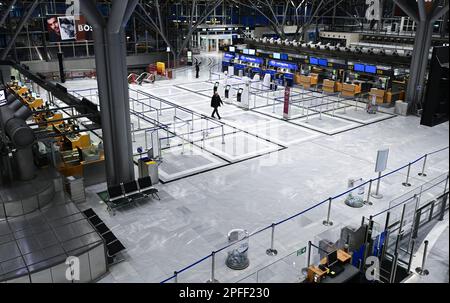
(223, 135)
(377, 194)
(406, 183)
(423, 174)
(308, 260)
(213, 269)
(421, 270)
(367, 202)
(176, 277)
(327, 222)
(272, 251)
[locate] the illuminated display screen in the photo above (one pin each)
(371, 69)
(252, 52)
(251, 59)
(284, 57)
(313, 60)
(232, 49)
(228, 56)
(323, 62)
(283, 65)
(359, 68)
(277, 56)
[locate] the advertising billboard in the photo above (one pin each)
(66, 28)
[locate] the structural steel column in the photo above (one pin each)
(110, 59)
(419, 61)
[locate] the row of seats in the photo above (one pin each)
(127, 193)
(113, 245)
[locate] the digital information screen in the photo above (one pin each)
(323, 62)
(277, 56)
(371, 69)
(232, 49)
(252, 52)
(359, 68)
(313, 60)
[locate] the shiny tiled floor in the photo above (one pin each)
(196, 213)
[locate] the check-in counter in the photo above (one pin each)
(309, 81)
(378, 94)
(350, 90)
(343, 258)
(391, 96)
(329, 86)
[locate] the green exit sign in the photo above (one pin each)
(301, 251)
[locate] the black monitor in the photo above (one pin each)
(332, 258)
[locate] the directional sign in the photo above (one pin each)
(301, 252)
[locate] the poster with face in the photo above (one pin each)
(62, 28)
(67, 28)
(53, 29)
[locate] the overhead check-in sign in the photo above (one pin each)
(283, 64)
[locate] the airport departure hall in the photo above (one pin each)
(224, 141)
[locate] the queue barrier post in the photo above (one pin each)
(272, 251)
(368, 202)
(328, 222)
(213, 269)
(423, 173)
(421, 270)
(406, 183)
(377, 194)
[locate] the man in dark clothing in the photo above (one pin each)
(216, 102)
(197, 69)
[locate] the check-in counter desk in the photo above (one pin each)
(350, 90)
(309, 81)
(329, 86)
(378, 94)
(314, 271)
(386, 97)
(391, 96)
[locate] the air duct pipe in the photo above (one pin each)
(12, 121)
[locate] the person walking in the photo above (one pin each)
(216, 102)
(197, 69)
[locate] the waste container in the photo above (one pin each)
(237, 258)
(401, 108)
(149, 168)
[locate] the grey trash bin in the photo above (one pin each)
(149, 168)
(401, 108)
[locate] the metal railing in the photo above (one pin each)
(323, 209)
